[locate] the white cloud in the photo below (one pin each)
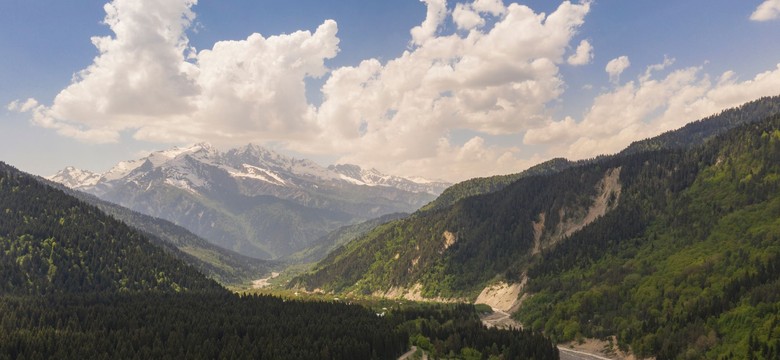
(768, 10)
(19, 106)
(470, 16)
(466, 18)
(616, 66)
(494, 81)
(148, 81)
(583, 55)
(492, 7)
(437, 12)
(649, 106)
(434, 110)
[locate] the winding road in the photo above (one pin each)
(569, 354)
(503, 320)
(500, 320)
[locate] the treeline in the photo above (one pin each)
(192, 326)
(698, 132)
(455, 331)
(228, 326)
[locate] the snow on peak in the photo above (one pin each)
(192, 167)
(159, 158)
(373, 177)
(122, 169)
(254, 172)
(75, 178)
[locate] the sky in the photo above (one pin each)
(434, 88)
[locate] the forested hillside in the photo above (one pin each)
(455, 251)
(701, 277)
(53, 243)
(702, 130)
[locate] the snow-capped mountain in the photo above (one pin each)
(75, 178)
(251, 199)
(373, 177)
(183, 168)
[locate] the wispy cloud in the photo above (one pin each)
(616, 66)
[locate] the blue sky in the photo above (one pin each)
(478, 88)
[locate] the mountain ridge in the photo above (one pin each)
(472, 205)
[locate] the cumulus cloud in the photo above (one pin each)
(649, 106)
(768, 10)
(616, 66)
(583, 55)
(470, 16)
(494, 81)
(147, 81)
(437, 13)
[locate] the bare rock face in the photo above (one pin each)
(607, 197)
(501, 296)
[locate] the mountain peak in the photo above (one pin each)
(373, 177)
(75, 178)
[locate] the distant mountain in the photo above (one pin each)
(320, 248)
(672, 246)
(373, 177)
(250, 199)
(75, 178)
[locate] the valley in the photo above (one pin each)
(390, 180)
(660, 251)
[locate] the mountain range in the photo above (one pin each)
(250, 199)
